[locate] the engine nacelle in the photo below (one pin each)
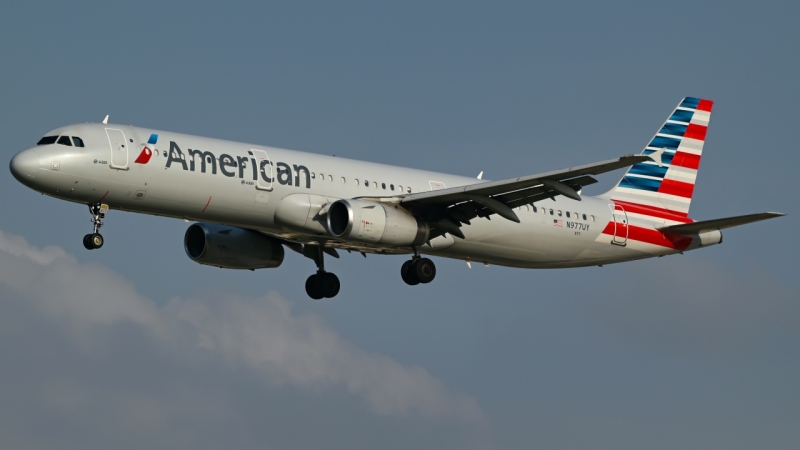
(375, 223)
(231, 247)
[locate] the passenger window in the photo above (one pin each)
(313, 175)
(330, 177)
(78, 141)
(375, 184)
(400, 188)
(366, 183)
(64, 140)
(592, 218)
(408, 189)
(551, 212)
(559, 213)
(567, 213)
(344, 181)
(383, 185)
(391, 187)
(47, 140)
(356, 180)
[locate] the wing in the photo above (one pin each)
(447, 209)
(717, 224)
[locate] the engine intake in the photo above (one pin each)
(231, 247)
(375, 223)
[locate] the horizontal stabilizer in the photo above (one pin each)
(717, 224)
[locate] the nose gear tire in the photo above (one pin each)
(93, 241)
(97, 240)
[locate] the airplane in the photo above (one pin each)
(250, 201)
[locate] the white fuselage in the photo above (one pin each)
(171, 185)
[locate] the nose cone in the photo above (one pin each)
(24, 165)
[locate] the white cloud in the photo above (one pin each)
(261, 335)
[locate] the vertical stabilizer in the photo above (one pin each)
(667, 183)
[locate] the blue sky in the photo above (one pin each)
(136, 343)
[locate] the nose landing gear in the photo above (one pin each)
(95, 240)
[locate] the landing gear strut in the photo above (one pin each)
(95, 240)
(321, 284)
(418, 270)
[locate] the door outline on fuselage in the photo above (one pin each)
(620, 218)
(261, 184)
(119, 148)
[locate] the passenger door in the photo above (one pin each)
(265, 170)
(119, 149)
(620, 218)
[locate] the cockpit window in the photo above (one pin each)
(47, 140)
(78, 141)
(64, 140)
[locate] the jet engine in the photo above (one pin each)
(231, 247)
(375, 223)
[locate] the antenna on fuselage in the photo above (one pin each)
(106, 119)
(480, 175)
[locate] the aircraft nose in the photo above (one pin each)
(24, 165)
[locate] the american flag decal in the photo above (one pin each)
(558, 223)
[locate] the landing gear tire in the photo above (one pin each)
(96, 240)
(329, 284)
(408, 274)
(424, 270)
(419, 270)
(93, 241)
(322, 285)
(313, 288)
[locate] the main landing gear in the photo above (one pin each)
(95, 240)
(321, 284)
(418, 270)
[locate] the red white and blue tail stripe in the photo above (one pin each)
(667, 183)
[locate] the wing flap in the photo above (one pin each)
(717, 224)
